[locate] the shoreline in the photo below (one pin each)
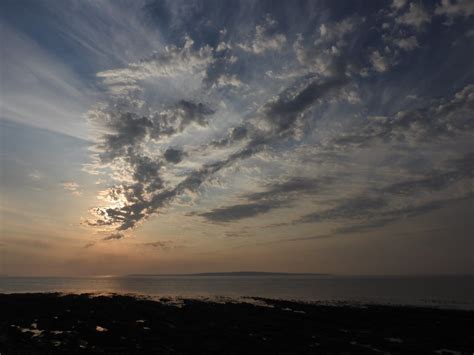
(353, 303)
(37, 323)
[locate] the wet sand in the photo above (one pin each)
(70, 324)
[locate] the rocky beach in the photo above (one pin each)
(53, 323)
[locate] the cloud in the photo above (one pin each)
(164, 245)
(334, 32)
(285, 112)
(223, 73)
(136, 207)
(398, 4)
(237, 212)
(416, 16)
(301, 115)
(383, 207)
(170, 62)
(379, 220)
(35, 175)
(438, 118)
(174, 155)
(452, 9)
(379, 63)
(128, 131)
(42, 91)
(300, 239)
(237, 234)
(276, 195)
(229, 80)
(114, 236)
(222, 46)
(26, 243)
(48, 61)
(408, 43)
(436, 181)
(265, 39)
(72, 187)
(293, 185)
(323, 51)
(356, 207)
(363, 227)
(192, 114)
(373, 213)
(235, 134)
(284, 115)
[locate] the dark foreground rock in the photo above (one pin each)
(70, 324)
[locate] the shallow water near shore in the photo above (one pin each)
(438, 291)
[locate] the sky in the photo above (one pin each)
(198, 136)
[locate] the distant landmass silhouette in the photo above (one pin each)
(235, 273)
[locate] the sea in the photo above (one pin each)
(454, 292)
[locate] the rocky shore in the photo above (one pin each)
(116, 324)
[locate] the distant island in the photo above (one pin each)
(234, 273)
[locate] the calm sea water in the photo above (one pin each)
(440, 291)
